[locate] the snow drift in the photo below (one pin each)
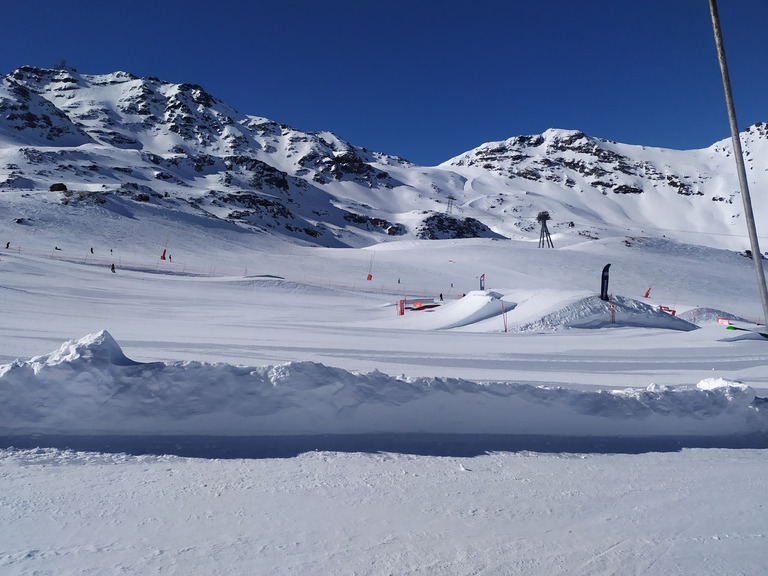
(90, 387)
(592, 312)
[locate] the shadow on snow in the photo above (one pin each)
(448, 445)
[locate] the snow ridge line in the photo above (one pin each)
(89, 386)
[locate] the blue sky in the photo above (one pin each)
(426, 80)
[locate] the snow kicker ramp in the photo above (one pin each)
(89, 388)
(543, 311)
(472, 308)
(592, 312)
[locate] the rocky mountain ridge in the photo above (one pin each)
(116, 138)
(568, 158)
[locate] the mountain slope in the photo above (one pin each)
(692, 195)
(123, 141)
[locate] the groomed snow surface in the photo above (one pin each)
(284, 419)
(698, 511)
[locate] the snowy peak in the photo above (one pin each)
(690, 195)
(29, 118)
(570, 158)
(151, 140)
(124, 111)
(178, 148)
(99, 348)
(574, 160)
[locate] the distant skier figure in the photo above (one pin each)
(91, 249)
(113, 268)
(7, 245)
(169, 258)
(441, 296)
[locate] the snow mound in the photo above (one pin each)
(709, 316)
(544, 311)
(473, 307)
(470, 310)
(722, 383)
(592, 312)
(98, 349)
(90, 387)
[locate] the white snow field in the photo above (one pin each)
(255, 406)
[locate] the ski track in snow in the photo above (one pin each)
(336, 513)
(242, 425)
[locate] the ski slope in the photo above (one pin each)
(261, 407)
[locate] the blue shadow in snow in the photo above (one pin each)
(455, 445)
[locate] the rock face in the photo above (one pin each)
(95, 137)
(445, 226)
(572, 158)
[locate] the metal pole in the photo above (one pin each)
(739, 156)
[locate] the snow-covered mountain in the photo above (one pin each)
(509, 421)
(122, 144)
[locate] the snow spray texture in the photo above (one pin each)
(89, 386)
